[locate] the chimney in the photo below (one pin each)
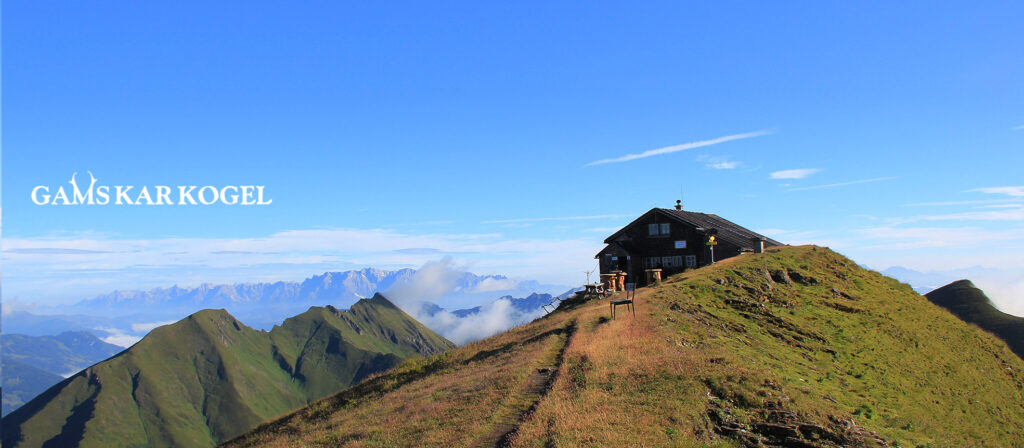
(679, 204)
(758, 245)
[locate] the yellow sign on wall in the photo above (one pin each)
(712, 241)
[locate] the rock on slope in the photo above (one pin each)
(208, 378)
(798, 347)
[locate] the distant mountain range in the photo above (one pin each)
(31, 364)
(971, 305)
(209, 377)
(527, 304)
(263, 305)
(336, 288)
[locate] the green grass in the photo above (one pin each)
(208, 378)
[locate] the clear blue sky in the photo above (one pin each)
(395, 133)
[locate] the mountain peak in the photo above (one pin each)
(970, 304)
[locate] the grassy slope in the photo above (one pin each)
(825, 354)
(208, 377)
(22, 381)
(971, 304)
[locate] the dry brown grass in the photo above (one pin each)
(621, 385)
(476, 389)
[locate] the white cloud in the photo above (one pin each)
(1007, 294)
(1004, 214)
(436, 279)
(1001, 205)
(718, 163)
(726, 165)
(842, 184)
(892, 238)
(493, 318)
(1015, 191)
(118, 337)
(676, 148)
(147, 327)
(1019, 128)
(973, 202)
(494, 284)
(11, 305)
(799, 173)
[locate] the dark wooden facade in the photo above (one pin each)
(673, 240)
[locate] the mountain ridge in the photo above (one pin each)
(970, 304)
(208, 377)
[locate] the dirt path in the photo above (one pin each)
(537, 385)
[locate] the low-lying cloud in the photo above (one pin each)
(436, 279)
(493, 318)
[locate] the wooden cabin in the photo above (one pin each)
(673, 240)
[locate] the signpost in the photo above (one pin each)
(711, 243)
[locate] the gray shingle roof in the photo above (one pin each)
(727, 230)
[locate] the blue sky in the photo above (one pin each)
(392, 134)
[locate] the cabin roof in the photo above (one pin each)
(727, 230)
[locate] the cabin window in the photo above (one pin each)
(652, 262)
(672, 261)
(658, 229)
(691, 261)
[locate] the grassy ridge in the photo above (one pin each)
(208, 377)
(797, 347)
(971, 305)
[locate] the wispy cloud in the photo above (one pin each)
(558, 218)
(974, 202)
(799, 173)
(843, 184)
(718, 163)
(682, 147)
(1008, 214)
(149, 326)
(1019, 128)
(53, 251)
(727, 165)
(1015, 191)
